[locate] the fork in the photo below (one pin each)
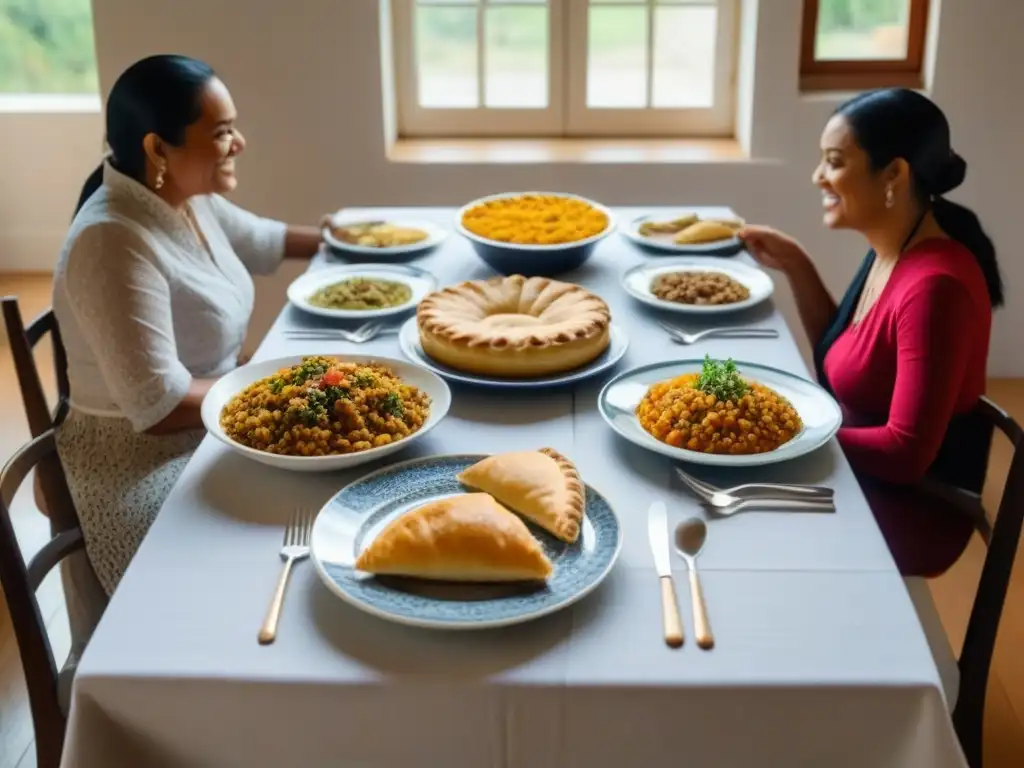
(680, 336)
(758, 490)
(727, 503)
(360, 335)
(296, 547)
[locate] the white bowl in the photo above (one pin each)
(230, 384)
(420, 283)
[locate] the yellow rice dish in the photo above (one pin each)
(324, 407)
(535, 220)
(718, 411)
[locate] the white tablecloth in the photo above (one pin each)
(820, 659)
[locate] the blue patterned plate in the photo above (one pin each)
(358, 512)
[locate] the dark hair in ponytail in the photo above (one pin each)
(892, 123)
(158, 94)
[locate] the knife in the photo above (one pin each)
(657, 533)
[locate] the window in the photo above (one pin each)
(863, 43)
(47, 47)
(564, 67)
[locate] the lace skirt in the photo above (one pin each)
(118, 479)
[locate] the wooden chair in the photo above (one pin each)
(23, 340)
(1002, 539)
(40, 418)
(54, 499)
(48, 688)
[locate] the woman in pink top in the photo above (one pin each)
(905, 350)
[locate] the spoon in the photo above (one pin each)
(690, 536)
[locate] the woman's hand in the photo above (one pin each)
(772, 249)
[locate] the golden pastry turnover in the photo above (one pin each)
(513, 327)
(463, 538)
(543, 486)
(704, 232)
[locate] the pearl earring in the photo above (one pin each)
(889, 199)
(159, 181)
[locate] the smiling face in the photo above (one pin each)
(205, 163)
(853, 194)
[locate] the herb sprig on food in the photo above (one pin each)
(721, 379)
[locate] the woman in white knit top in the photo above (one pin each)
(153, 295)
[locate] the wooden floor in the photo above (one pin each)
(1004, 726)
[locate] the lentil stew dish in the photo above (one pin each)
(718, 411)
(324, 407)
(693, 287)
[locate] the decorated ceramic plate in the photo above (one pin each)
(639, 283)
(635, 230)
(818, 411)
(409, 342)
(349, 522)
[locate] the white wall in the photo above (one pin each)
(305, 76)
(44, 159)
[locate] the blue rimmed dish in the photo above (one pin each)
(356, 514)
(533, 260)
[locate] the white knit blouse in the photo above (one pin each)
(144, 307)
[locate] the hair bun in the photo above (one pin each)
(951, 175)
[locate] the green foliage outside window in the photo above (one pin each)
(46, 46)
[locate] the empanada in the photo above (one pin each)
(704, 232)
(463, 538)
(542, 486)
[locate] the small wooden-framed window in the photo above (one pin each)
(859, 44)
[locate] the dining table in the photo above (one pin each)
(819, 656)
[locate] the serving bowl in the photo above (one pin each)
(230, 384)
(533, 260)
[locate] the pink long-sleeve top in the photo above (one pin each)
(916, 360)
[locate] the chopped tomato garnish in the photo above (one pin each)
(333, 378)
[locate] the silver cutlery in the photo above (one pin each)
(360, 335)
(757, 490)
(657, 534)
(690, 537)
(296, 547)
(725, 504)
(680, 336)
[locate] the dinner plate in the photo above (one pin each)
(419, 281)
(409, 342)
(435, 236)
(229, 385)
(631, 231)
(637, 282)
(356, 514)
(819, 412)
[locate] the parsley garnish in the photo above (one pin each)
(392, 404)
(721, 379)
(276, 385)
(310, 367)
(365, 380)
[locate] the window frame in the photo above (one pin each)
(836, 74)
(567, 115)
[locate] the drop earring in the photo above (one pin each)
(889, 199)
(158, 182)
